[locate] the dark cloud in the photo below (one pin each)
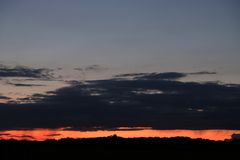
(53, 135)
(90, 68)
(161, 76)
(4, 97)
(113, 103)
(5, 134)
(35, 98)
(153, 76)
(25, 85)
(22, 136)
(203, 73)
(19, 71)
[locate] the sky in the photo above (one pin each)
(160, 34)
(146, 60)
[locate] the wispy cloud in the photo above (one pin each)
(27, 72)
(91, 68)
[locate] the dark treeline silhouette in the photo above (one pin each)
(120, 148)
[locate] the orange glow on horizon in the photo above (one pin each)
(44, 134)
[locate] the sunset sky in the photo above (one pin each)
(106, 64)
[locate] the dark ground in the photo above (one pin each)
(120, 148)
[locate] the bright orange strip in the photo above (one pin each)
(43, 134)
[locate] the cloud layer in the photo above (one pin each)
(140, 102)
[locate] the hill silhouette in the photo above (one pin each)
(114, 147)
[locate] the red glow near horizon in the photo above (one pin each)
(44, 134)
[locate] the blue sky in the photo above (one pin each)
(167, 35)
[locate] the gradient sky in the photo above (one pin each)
(170, 35)
(107, 64)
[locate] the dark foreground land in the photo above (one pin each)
(120, 148)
